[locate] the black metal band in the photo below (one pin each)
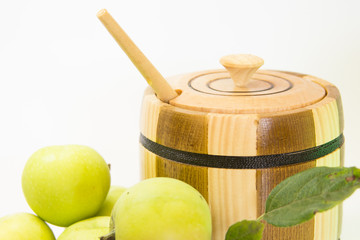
(242, 162)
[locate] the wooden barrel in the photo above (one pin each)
(235, 144)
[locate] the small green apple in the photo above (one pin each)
(161, 209)
(111, 198)
(65, 184)
(24, 226)
(89, 229)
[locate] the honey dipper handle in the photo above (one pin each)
(241, 67)
(161, 87)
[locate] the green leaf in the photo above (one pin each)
(245, 230)
(298, 198)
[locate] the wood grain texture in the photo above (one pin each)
(294, 73)
(182, 129)
(232, 197)
(148, 121)
(329, 123)
(232, 192)
(266, 180)
(147, 163)
(285, 132)
(286, 92)
(328, 224)
(187, 131)
(332, 94)
(194, 175)
(149, 116)
(226, 134)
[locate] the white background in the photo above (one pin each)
(63, 79)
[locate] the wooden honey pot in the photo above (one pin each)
(235, 134)
(235, 144)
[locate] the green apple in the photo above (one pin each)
(65, 184)
(161, 209)
(111, 198)
(89, 229)
(24, 226)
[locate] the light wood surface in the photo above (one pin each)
(237, 194)
(267, 92)
(238, 200)
(328, 124)
(327, 224)
(241, 67)
(161, 87)
(221, 143)
(150, 111)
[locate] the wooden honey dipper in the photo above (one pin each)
(158, 83)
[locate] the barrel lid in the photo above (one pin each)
(241, 88)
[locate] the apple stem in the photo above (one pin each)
(109, 236)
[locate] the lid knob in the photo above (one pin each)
(241, 67)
